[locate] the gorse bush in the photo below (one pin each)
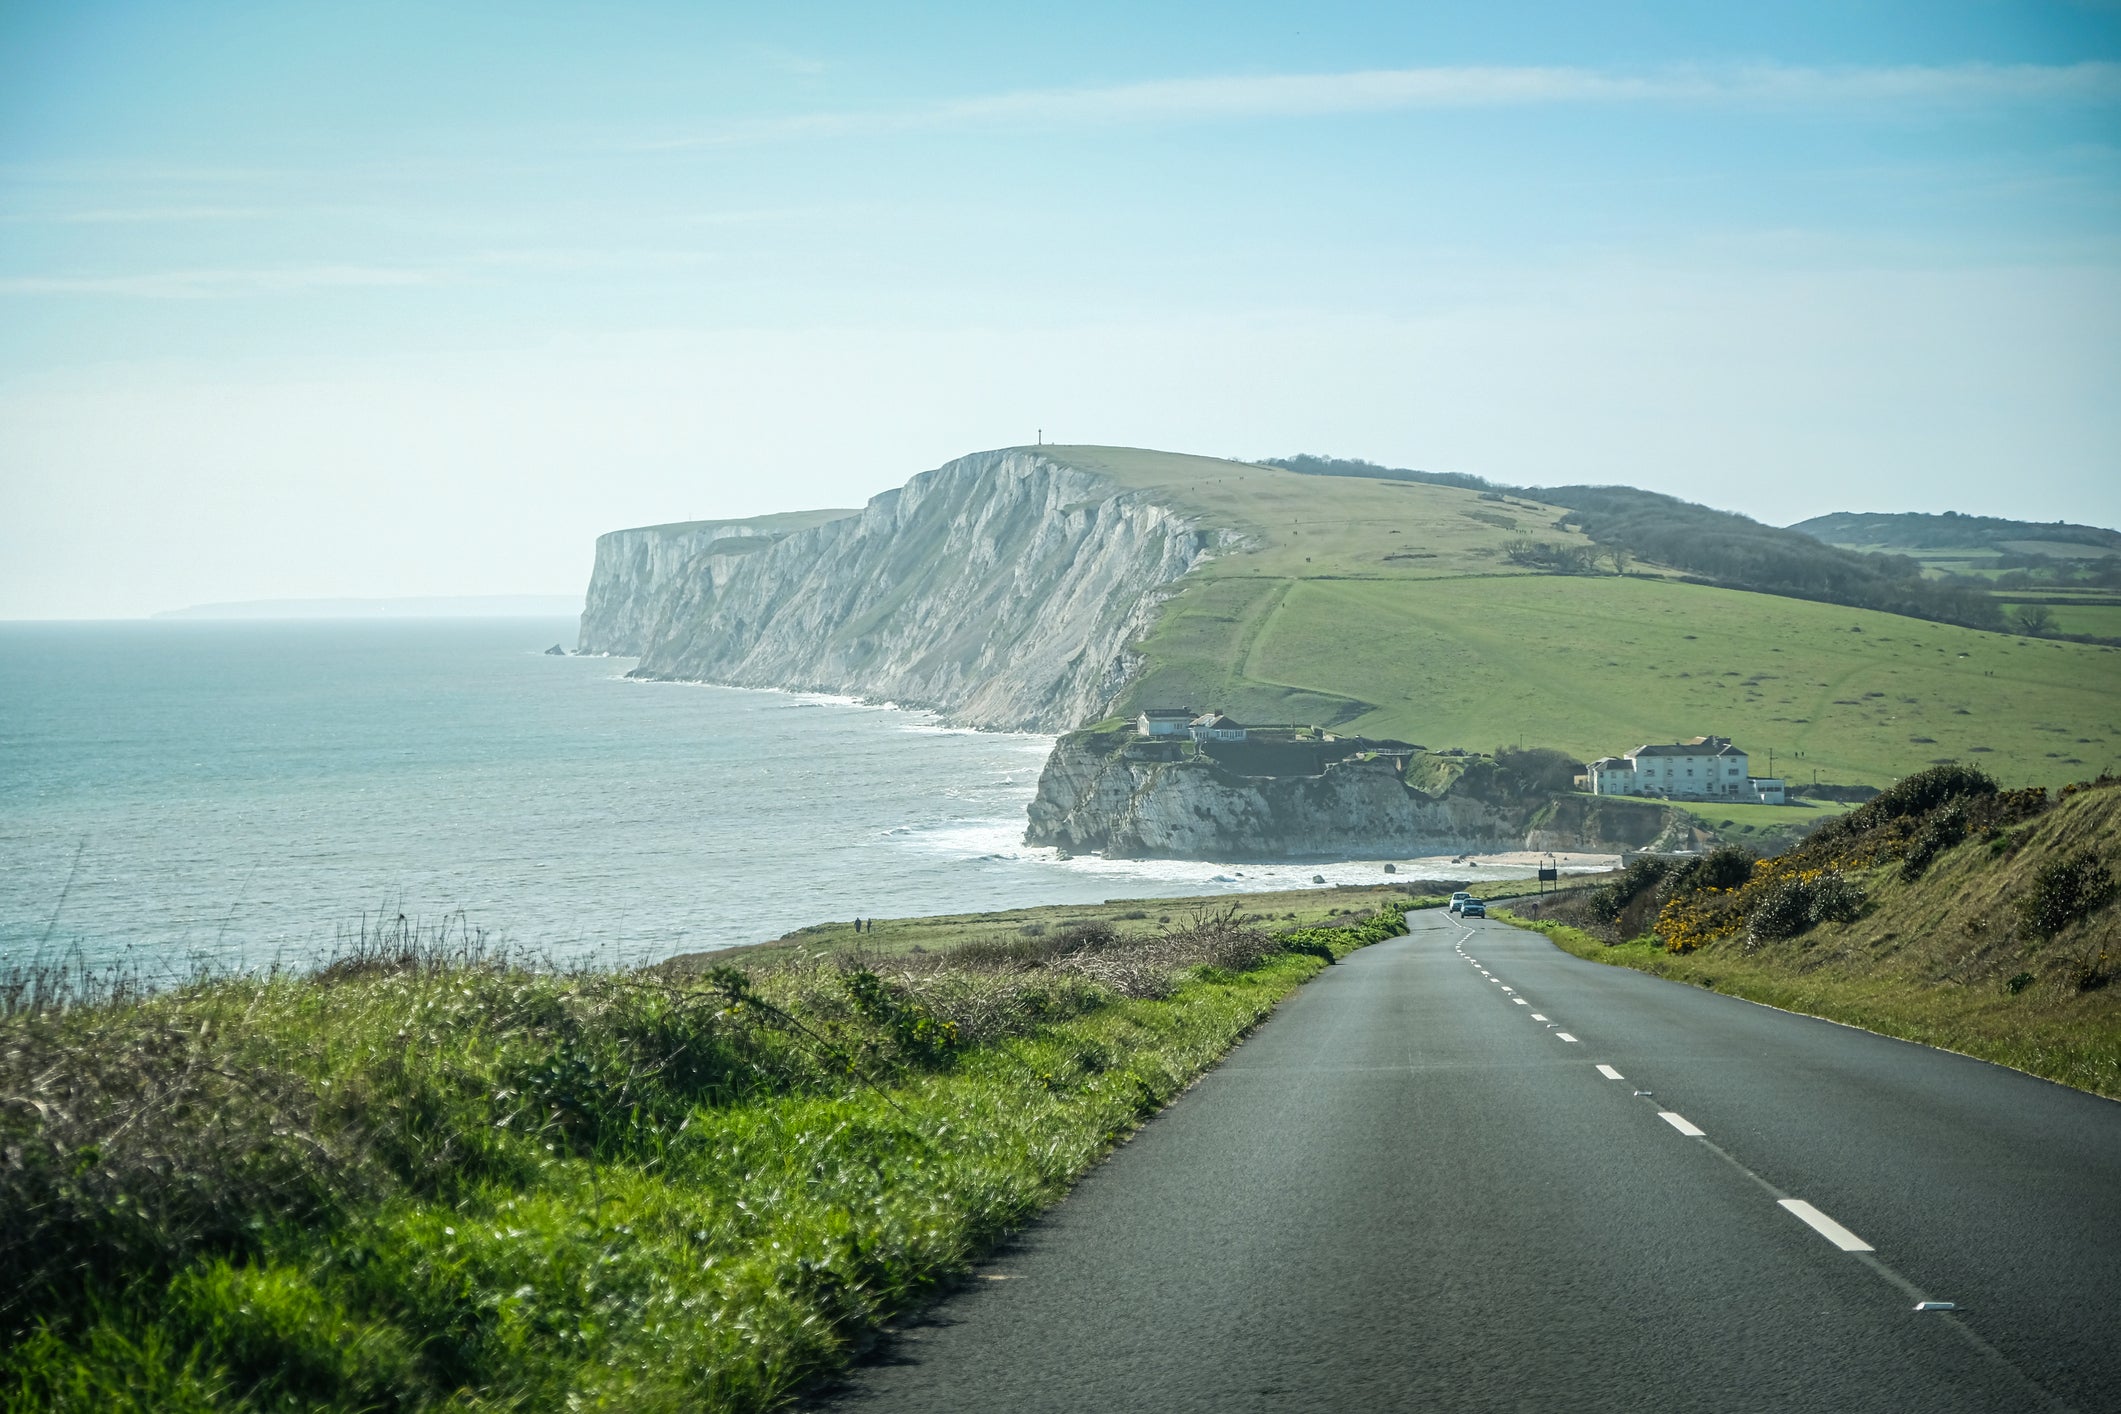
(2065, 890)
(1919, 818)
(1725, 867)
(1943, 828)
(415, 1181)
(1794, 903)
(1608, 901)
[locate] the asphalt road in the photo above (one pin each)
(1466, 1171)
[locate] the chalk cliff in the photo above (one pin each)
(636, 569)
(1126, 800)
(1002, 589)
(1131, 808)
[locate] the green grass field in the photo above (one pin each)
(1390, 609)
(1308, 527)
(1600, 665)
(2097, 620)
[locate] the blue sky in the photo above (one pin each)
(413, 299)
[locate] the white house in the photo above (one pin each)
(1214, 726)
(1706, 768)
(1164, 721)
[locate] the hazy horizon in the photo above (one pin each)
(316, 303)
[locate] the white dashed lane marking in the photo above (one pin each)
(1825, 1226)
(1609, 1073)
(1681, 1123)
(1537, 1017)
(1566, 1037)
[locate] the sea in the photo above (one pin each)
(241, 794)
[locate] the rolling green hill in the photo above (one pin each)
(1919, 534)
(1393, 609)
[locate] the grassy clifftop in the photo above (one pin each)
(1395, 609)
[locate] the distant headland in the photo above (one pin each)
(448, 606)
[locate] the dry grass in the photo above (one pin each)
(1945, 957)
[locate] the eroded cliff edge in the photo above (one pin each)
(1104, 791)
(1002, 590)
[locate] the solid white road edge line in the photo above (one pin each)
(1686, 1126)
(1609, 1073)
(1826, 1227)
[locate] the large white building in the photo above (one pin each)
(1706, 768)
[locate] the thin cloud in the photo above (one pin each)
(145, 215)
(1387, 90)
(217, 284)
(241, 283)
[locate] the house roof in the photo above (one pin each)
(1611, 761)
(1699, 746)
(1178, 714)
(1217, 719)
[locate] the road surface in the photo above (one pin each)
(1463, 1170)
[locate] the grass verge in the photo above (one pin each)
(1946, 911)
(1987, 1024)
(414, 1181)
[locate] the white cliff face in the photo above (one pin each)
(1001, 589)
(1131, 808)
(1132, 801)
(636, 568)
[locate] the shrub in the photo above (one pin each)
(1608, 901)
(1792, 904)
(2064, 891)
(133, 1139)
(1939, 832)
(1555, 559)
(1923, 792)
(921, 1036)
(1836, 898)
(1543, 766)
(1785, 912)
(1727, 867)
